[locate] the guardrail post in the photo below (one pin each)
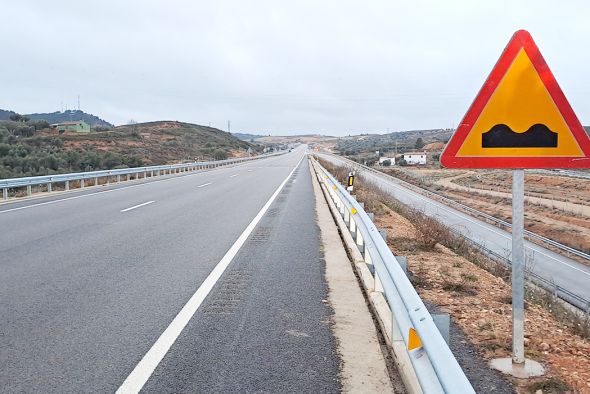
(49, 187)
(5, 193)
(443, 323)
(144, 174)
(360, 242)
(378, 284)
(96, 181)
(108, 180)
(29, 191)
(118, 178)
(152, 174)
(81, 183)
(67, 186)
(352, 227)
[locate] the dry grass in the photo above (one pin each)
(475, 290)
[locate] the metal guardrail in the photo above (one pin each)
(435, 365)
(49, 180)
(473, 211)
(563, 293)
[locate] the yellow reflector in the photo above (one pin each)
(334, 187)
(414, 341)
(353, 211)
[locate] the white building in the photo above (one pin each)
(418, 158)
(391, 160)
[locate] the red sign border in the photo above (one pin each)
(520, 39)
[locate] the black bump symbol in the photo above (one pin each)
(502, 136)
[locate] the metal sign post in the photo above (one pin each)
(520, 119)
(518, 266)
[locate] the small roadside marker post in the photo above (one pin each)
(520, 119)
(350, 184)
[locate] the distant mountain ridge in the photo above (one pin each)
(59, 117)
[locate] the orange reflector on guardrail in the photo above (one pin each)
(414, 341)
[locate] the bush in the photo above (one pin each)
(219, 154)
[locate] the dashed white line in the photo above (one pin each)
(205, 184)
(137, 206)
(231, 176)
(142, 371)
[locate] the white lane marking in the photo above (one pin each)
(137, 206)
(231, 176)
(205, 184)
(109, 191)
(142, 371)
(250, 170)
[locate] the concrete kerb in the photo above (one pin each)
(378, 303)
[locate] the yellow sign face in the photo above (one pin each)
(520, 120)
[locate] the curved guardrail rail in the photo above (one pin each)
(435, 365)
(49, 180)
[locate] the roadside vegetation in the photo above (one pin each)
(457, 277)
(30, 148)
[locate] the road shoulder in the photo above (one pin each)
(363, 365)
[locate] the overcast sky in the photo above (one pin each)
(279, 67)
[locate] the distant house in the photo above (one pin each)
(79, 126)
(390, 159)
(417, 158)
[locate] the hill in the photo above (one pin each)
(58, 117)
(46, 152)
(246, 136)
(403, 140)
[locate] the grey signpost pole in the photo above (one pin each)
(518, 267)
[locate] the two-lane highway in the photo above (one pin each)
(558, 269)
(92, 281)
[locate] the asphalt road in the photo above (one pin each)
(552, 266)
(91, 279)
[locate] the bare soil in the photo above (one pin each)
(479, 303)
(557, 207)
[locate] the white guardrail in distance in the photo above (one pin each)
(435, 365)
(151, 171)
(467, 208)
(546, 283)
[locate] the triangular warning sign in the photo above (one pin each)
(520, 118)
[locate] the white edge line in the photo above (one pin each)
(136, 206)
(205, 184)
(144, 369)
